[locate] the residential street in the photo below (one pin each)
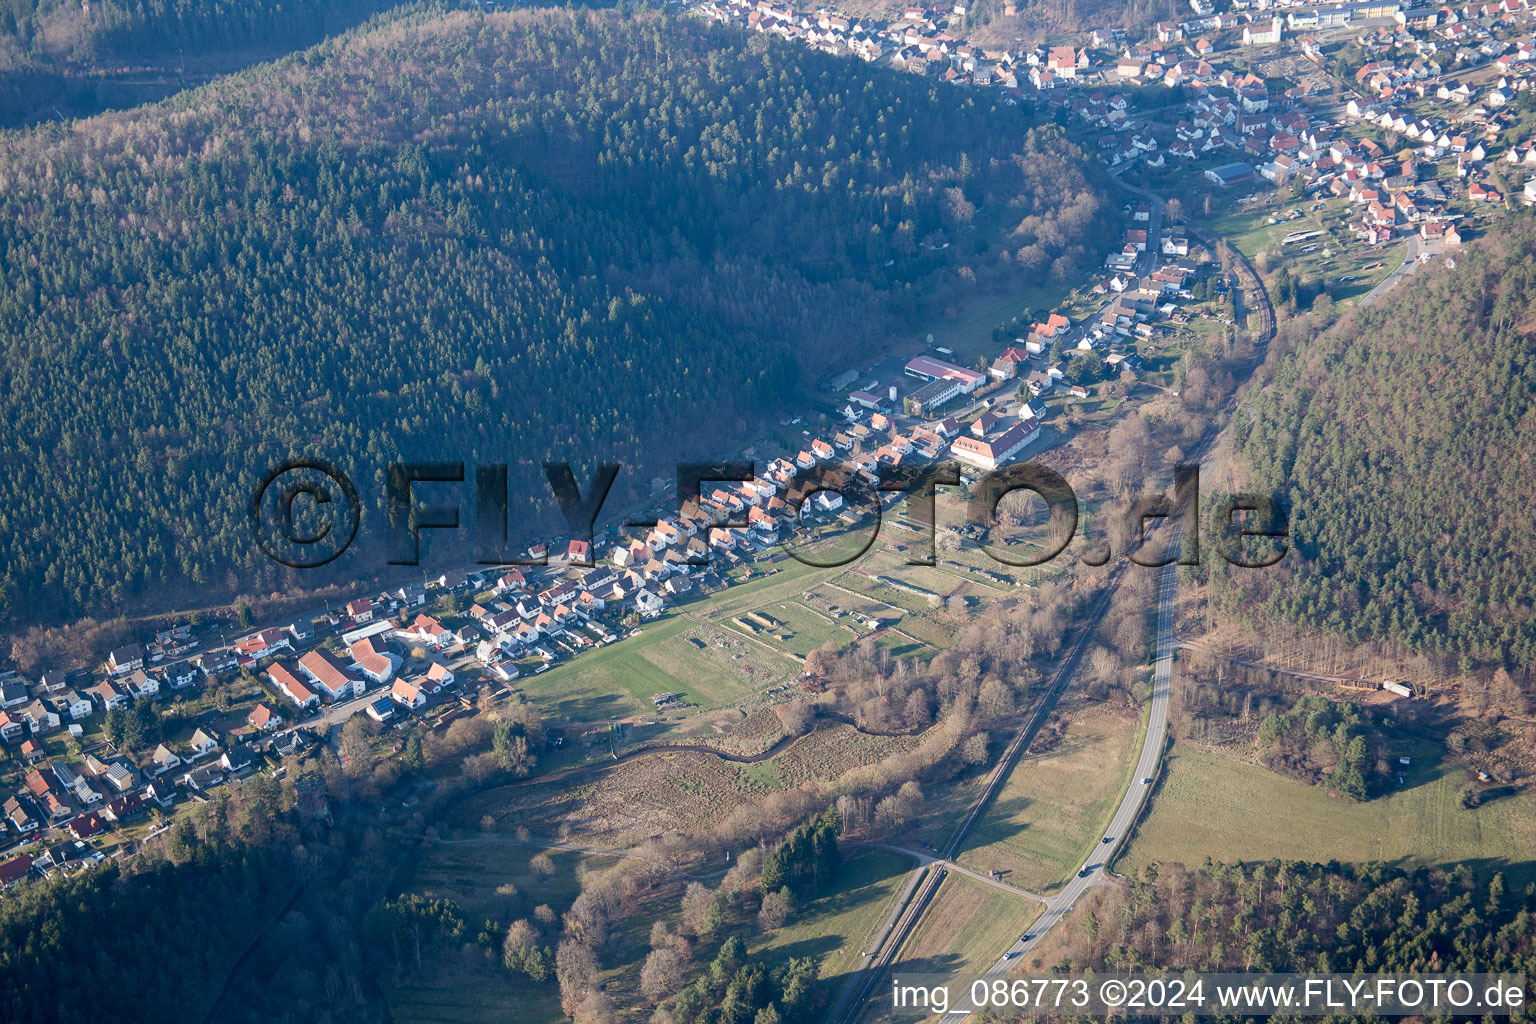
(1411, 260)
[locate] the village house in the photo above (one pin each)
(108, 695)
(165, 759)
(13, 694)
(265, 644)
(334, 679)
(263, 718)
(20, 815)
(203, 743)
(238, 760)
(15, 870)
(125, 659)
(123, 809)
(377, 665)
(988, 455)
(292, 687)
(407, 694)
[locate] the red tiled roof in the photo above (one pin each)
(290, 683)
(322, 664)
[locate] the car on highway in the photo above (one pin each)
(1107, 840)
(1010, 956)
(1147, 781)
(1028, 937)
(1083, 873)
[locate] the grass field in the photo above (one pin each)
(469, 874)
(1248, 229)
(965, 929)
(1212, 804)
(476, 995)
(460, 990)
(1054, 806)
(800, 630)
(619, 680)
(969, 331)
(837, 927)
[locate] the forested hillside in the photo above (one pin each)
(498, 238)
(1404, 441)
(1290, 917)
(130, 30)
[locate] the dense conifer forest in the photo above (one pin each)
(492, 238)
(129, 30)
(1402, 441)
(1290, 917)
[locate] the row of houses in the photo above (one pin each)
(102, 791)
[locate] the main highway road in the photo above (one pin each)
(1092, 871)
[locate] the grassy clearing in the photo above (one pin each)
(1054, 806)
(838, 927)
(798, 630)
(1212, 804)
(761, 777)
(474, 996)
(969, 331)
(614, 681)
(469, 874)
(1248, 230)
(965, 929)
(619, 679)
(460, 989)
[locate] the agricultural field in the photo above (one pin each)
(965, 929)
(1211, 803)
(792, 627)
(1054, 806)
(838, 926)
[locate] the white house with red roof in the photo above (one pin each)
(425, 629)
(329, 675)
(292, 687)
(263, 718)
(407, 694)
(377, 665)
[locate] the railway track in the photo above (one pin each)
(856, 993)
